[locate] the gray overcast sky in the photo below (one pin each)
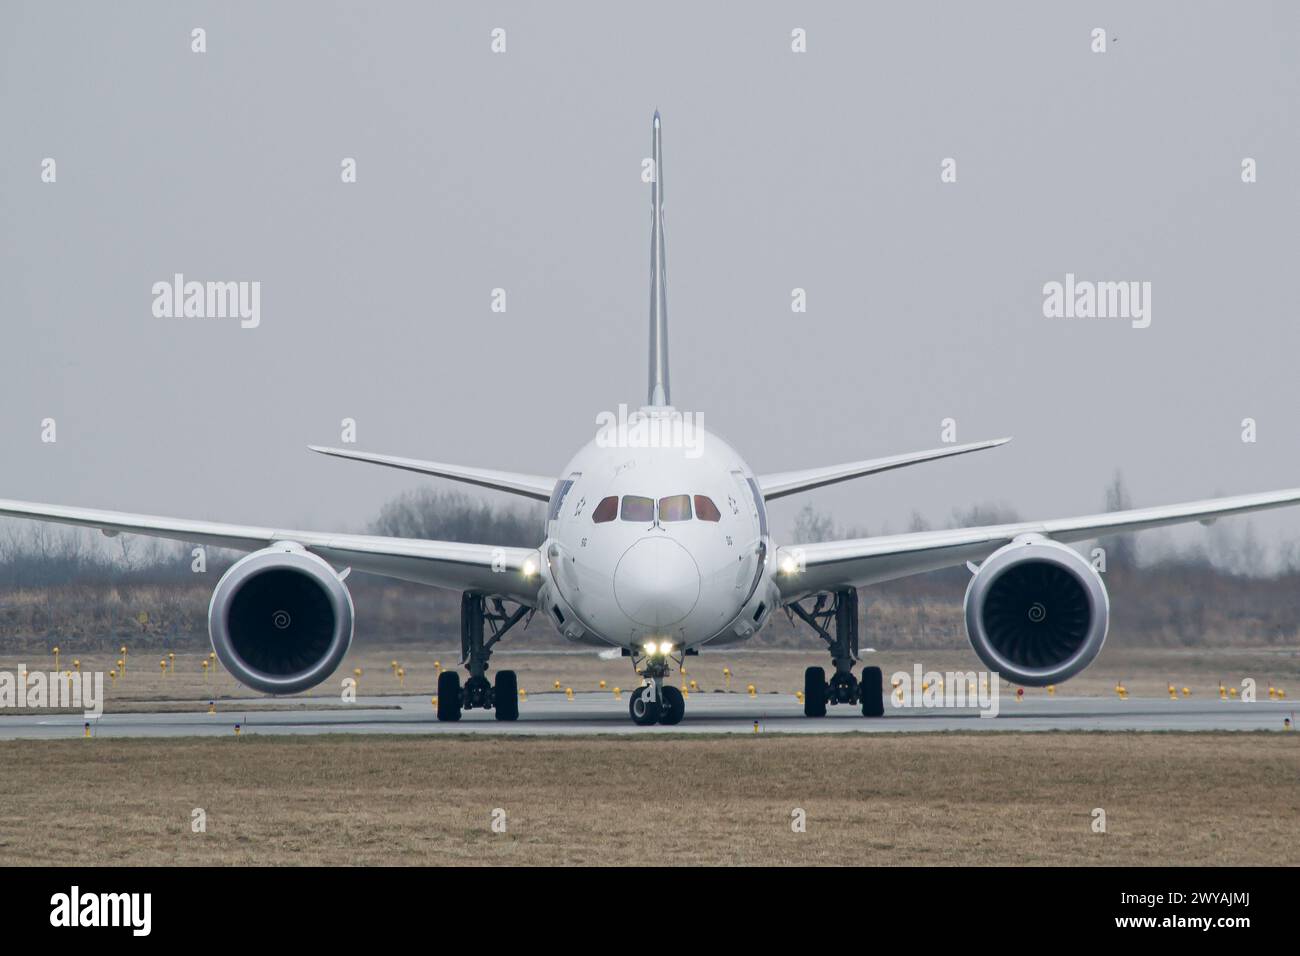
(522, 170)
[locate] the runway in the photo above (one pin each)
(597, 713)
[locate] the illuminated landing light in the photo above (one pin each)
(789, 565)
(529, 568)
(651, 648)
(666, 647)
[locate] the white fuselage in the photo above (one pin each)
(653, 565)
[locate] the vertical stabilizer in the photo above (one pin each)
(658, 281)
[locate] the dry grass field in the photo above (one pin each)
(886, 799)
(1145, 672)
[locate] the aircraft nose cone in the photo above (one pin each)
(657, 582)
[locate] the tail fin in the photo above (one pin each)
(658, 281)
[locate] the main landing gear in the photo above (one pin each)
(840, 611)
(656, 702)
(474, 653)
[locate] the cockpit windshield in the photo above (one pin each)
(636, 508)
(675, 508)
(670, 508)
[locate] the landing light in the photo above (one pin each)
(789, 565)
(666, 647)
(650, 648)
(530, 568)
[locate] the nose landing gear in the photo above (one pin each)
(656, 702)
(843, 687)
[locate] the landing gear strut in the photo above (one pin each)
(475, 650)
(655, 702)
(839, 611)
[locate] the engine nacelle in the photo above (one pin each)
(280, 620)
(1036, 612)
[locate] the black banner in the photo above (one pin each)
(911, 904)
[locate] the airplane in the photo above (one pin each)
(656, 544)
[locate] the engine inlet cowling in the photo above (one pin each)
(280, 620)
(1036, 612)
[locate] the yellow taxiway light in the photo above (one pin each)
(55, 652)
(568, 693)
(162, 664)
(112, 675)
(557, 685)
(437, 667)
(76, 666)
(602, 685)
(726, 676)
(1272, 693)
(523, 694)
(753, 691)
(694, 686)
(618, 693)
(1051, 690)
(798, 695)
(1173, 692)
(171, 661)
(434, 700)
(122, 650)
(1232, 692)
(401, 676)
(1281, 694)
(204, 665)
(1187, 692)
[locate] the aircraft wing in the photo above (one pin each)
(807, 569)
(538, 487)
(784, 483)
(505, 572)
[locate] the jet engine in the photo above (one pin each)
(280, 620)
(1036, 612)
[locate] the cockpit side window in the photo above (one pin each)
(607, 510)
(557, 496)
(557, 499)
(636, 508)
(759, 505)
(705, 509)
(675, 508)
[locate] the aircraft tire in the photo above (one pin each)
(814, 692)
(449, 696)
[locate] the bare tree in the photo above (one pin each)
(811, 526)
(1121, 549)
